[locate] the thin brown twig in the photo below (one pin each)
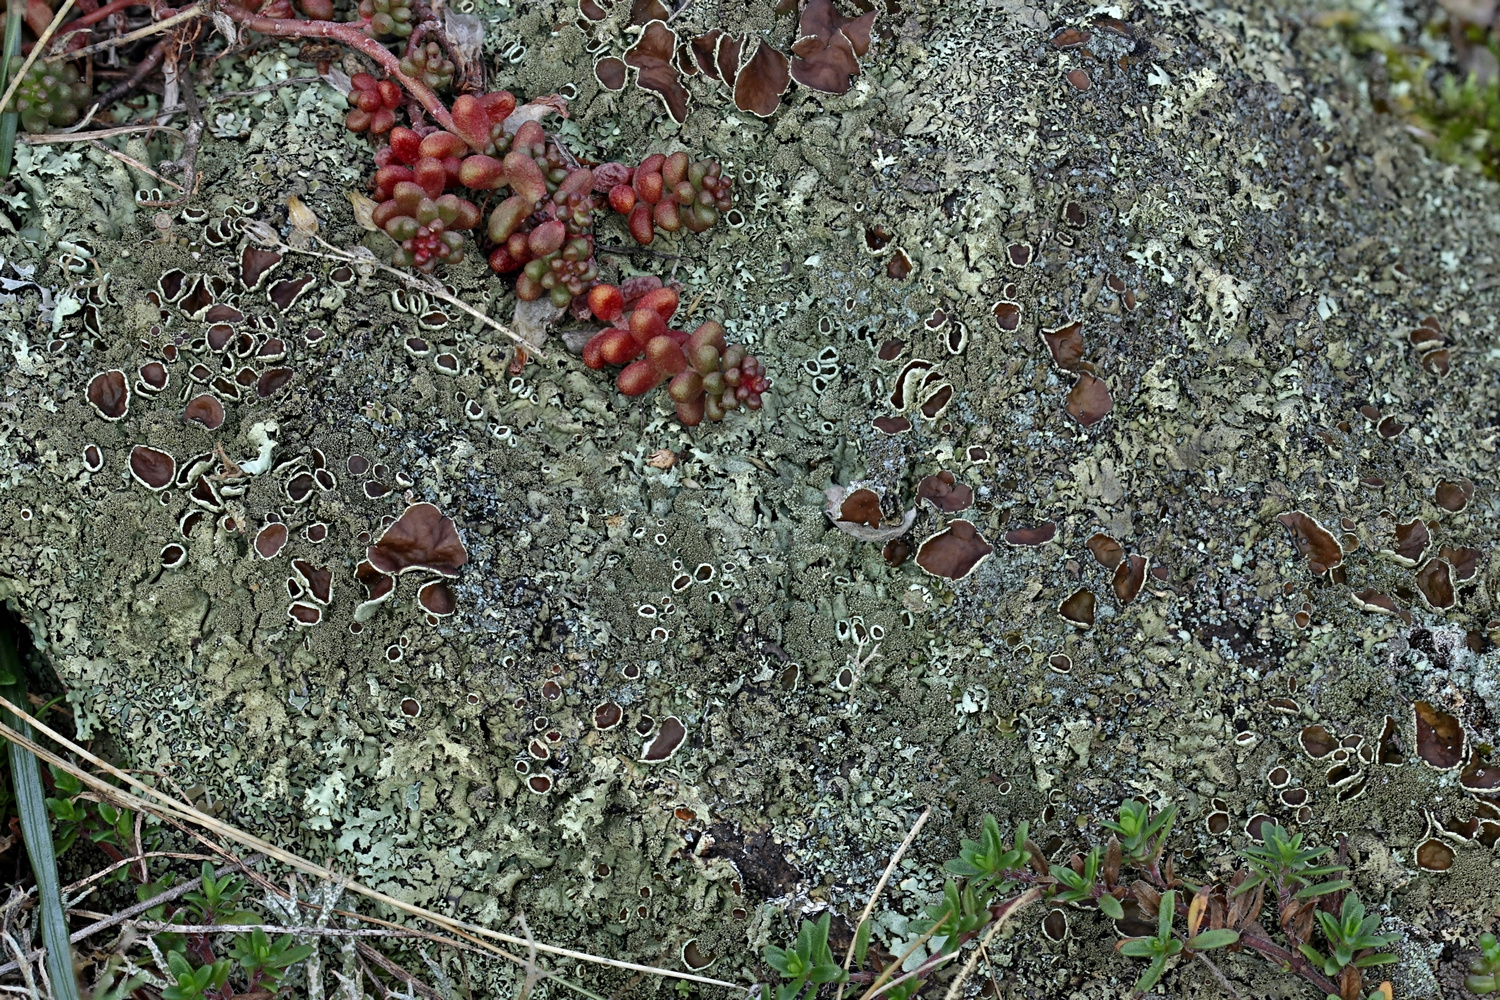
(132, 161)
(393, 969)
(144, 68)
(49, 138)
(881, 982)
(532, 969)
(1218, 974)
(151, 29)
(358, 932)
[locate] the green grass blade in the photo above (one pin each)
(16, 12)
(31, 804)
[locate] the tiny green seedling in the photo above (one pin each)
(1351, 940)
(1286, 866)
(809, 962)
(1165, 945)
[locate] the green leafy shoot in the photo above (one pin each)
(216, 899)
(1164, 944)
(1142, 835)
(1159, 947)
(808, 962)
(1351, 940)
(10, 120)
(1484, 971)
(191, 983)
(987, 862)
(1284, 864)
(862, 942)
(1079, 886)
(957, 913)
(266, 961)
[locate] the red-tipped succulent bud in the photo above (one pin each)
(606, 302)
(507, 217)
(406, 145)
(639, 378)
(667, 216)
(662, 301)
(386, 179)
(546, 238)
(442, 145)
(646, 324)
(530, 139)
(685, 387)
(666, 356)
(674, 169)
(501, 261)
(375, 102)
(524, 176)
(622, 198)
(648, 186)
(498, 105)
(481, 173)
(471, 121)
(691, 413)
(431, 175)
(641, 229)
(618, 347)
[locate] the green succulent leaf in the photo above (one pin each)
(1110, 907)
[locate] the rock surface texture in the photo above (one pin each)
(1207, 349)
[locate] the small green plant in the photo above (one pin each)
(1286, 866)
(999, 876)
(194, 984)
(808, 962)
(265, 961)
(77, 813)
(1142, 834)
(986, 861)
(1351, 940)
(1164, 945)
(1484, 971)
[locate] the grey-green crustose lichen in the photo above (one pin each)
(1235, 186)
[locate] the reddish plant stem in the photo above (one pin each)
(1298, 964)
(103, 12)
(344, 34)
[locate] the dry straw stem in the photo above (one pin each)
(268, 237)
(1015, 906)
(50, 138)
(36, 50)
(880, 887)
(880, 985)
(161, 804)
(141, 907)
(151, 29)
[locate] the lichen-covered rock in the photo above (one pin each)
(1203, 187)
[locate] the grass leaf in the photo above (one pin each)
(31, 799)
